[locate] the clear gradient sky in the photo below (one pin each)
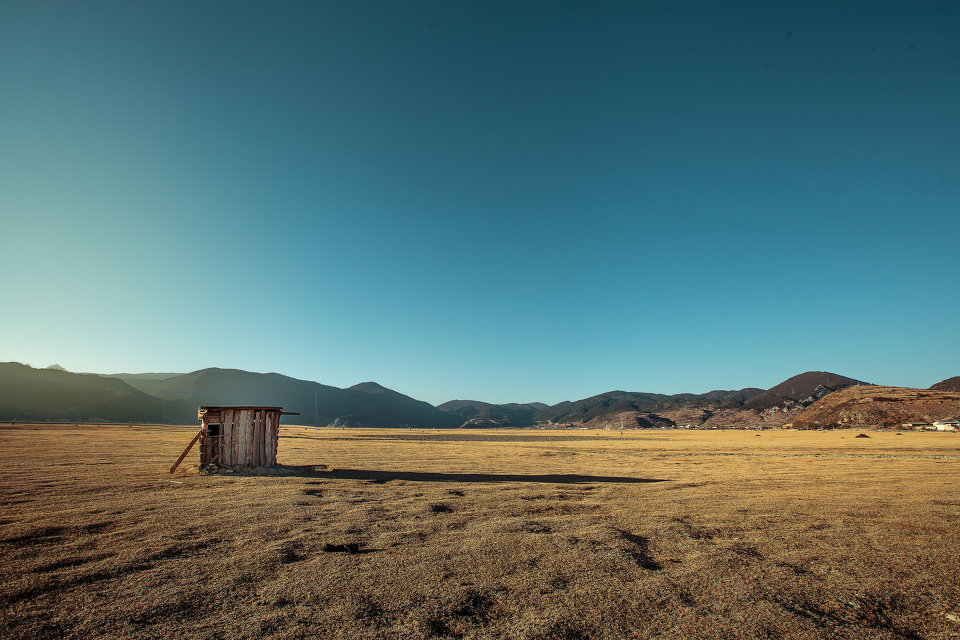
(502, 201)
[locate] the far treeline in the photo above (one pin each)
(808, 400)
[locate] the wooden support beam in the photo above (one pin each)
(186, 451)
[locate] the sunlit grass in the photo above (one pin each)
(477, 534)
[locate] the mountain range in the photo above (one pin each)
(172, 398)
(49, 394)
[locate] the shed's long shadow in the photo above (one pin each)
(418, 476)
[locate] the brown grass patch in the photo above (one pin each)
(446, 534)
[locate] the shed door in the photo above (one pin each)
(212, 446)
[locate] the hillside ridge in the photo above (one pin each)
(874, 405)
(55, 394)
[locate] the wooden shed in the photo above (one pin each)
(239, 436)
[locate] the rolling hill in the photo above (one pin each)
(55, 394)
(486, 414)
(365, 404)
(950, 384)
(50, 394)
(814, 397)
(872, 405)
(801, 390)
(138, 380)
(750, 407)
(619, 402)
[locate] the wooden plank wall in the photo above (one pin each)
(248, 437)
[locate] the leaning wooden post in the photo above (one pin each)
(186, 451)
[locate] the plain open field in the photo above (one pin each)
(463, 534)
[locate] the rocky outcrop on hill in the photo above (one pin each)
(744, 408)
(506, 415)
(630, 420)
(720, 418)
(800, 391)
(950, 384)
(604, 405)
(876, 406)
(485, 423)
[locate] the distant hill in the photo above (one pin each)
(138, 380)
(484, 413)
(872, 405)
(630, 420)
(801, 390)
(53, 394)
(48, 394)
(748, 407)
(618, 402)
(950, 384)
(365, 404)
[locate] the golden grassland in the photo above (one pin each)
(482, 534)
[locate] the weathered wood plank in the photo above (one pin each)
(264, 435)
(266, 439)
(253, 439)
(186, 451)
(224, 440)
(256, 439)
(238, 427)
(218, 454)
(204, 444)
(211, 451)
(247, 437)
(228, 418)
(263, 438)
(243, 420)
(255, 445)
(237, 438)
(271, 446)
(275, 435)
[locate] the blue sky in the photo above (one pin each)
(497, 201)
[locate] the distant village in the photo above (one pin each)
(936, 425)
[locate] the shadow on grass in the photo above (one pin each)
(380, 477)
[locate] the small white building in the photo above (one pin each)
(946, 425)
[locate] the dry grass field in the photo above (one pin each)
(462, 534)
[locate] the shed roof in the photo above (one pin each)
(233, 406)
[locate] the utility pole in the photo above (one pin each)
(316, 408)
